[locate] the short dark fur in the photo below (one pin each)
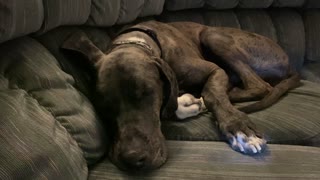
(132, 82)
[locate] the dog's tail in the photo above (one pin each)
(291, 82)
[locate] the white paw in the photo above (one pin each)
(248, 145)
(187, 111)
(187, 100)
(189, 106)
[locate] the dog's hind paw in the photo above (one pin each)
(247, 145)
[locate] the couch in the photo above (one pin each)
(49, 128)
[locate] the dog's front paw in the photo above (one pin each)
(247, 144)
(189, 106)
(243, 135)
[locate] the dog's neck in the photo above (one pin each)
(144, 38)
(135, 41)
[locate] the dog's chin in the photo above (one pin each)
(152, 155)
(155, 164)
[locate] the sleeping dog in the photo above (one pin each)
(139, 79)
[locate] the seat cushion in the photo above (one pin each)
(294, 119)
(215, 160)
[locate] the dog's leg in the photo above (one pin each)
(234, 56)
(234, 124)
(249, 94)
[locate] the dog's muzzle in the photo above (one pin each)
(136, 151)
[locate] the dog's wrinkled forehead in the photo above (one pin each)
(134, 66)
(128, 74)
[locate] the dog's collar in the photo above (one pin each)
(149, 32)
(139, 43)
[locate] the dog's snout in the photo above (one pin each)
(139, 149)
(133, 159)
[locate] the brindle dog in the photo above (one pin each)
(138, 81)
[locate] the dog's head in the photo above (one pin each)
(134, 91)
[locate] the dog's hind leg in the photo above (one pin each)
(224, 46)
(237, 94)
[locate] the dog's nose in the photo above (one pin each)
(133, 159)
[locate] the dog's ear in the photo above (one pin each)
(80, 42)
(170, 89)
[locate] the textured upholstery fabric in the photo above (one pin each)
(225, 18)
(62, 12)
(19, 17)
(214, 160)
(34, 147)
(174, 5)
(110, 12)
(152, 7)
(257, 21)
(217, 4)
(189, 15)
(312, 4)
(129, 10)
(311, 71)
(312, 28)
(48, 128)
(255, 3)
(292, 120)
(288, 3)
(284, 22)
(104, 12)
(78, 68)
(276, 24)
(32, 140)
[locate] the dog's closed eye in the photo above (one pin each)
(143, 92)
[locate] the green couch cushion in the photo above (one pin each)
(255, 3)
(77, 66)
(18, 18)
(174, 5)
(312, 28)
(257, 21)
(215, 160)
(62, 12)
(311, 71)
(110, 12)
(48, 129)
(292, 120)
(288, 3)
(285, 21)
